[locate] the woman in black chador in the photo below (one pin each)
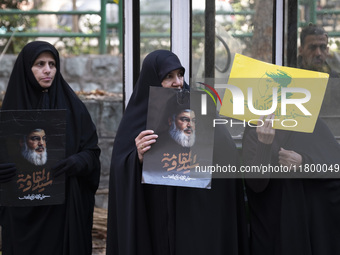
(298, 214)
(36, 83)
(153, 219)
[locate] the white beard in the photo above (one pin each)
(180, 137)
(33, 157)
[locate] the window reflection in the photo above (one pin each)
(154, 26)
(241, 26)
(325, 14)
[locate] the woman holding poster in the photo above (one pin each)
(163, 220)
(37, 84)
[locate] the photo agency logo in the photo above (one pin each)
(204, 97)
(273, 96)
(292, 97)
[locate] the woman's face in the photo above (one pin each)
(44, 69)
(174, 79)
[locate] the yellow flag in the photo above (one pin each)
(257, 88)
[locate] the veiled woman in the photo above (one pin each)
(297, 213)
(36, 83)
(154, 219)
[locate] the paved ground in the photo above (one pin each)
(98, 247)
(99, 231)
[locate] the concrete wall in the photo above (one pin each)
(98, 81)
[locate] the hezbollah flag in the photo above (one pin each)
(256, 88)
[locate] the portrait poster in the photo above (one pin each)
(257, 88)
(185, 139)
(34, 140)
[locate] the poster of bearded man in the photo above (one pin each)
(185, 140)
(33, 147)
(32, 140)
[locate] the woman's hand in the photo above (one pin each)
(266, 133)
(289, 158)
(144, 141)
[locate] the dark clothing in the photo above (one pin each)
(153, 219)
(294, 216)
(330, 109)
(331, 104)
(58, 229)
